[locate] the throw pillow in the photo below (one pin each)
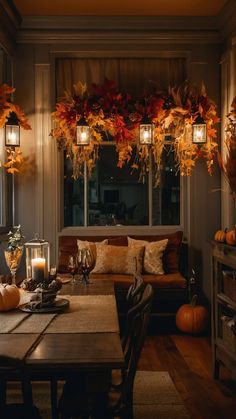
(85, 244)
(118, 259)
(171, 256)
(153, 254)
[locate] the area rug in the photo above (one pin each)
(155, 397)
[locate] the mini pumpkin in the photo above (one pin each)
(230, 237)
(9, 297)
(192, 318)
(220, 236)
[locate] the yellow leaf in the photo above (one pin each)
(80, 88)
(12, 170)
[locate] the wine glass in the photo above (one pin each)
(72, 267)
(13, 258)
(85, 264)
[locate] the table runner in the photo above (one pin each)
(10, 319)
(86, 314)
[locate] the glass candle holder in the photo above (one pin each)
(37, 259)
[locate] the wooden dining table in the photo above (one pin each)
(85, 337)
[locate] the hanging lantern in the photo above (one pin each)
(37, 259)
(199, 131)
(146, 131)
(12, 131)
(82, 132)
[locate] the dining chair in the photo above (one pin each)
(117, 376)
(135, 291)
(118, 402)
(14, 368)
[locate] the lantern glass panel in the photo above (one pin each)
(82, 135)
(12, 135)
(146, 133)
(37, 259)
(199, 133)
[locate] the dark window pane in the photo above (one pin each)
(73, 197)
(115, 195)
(166, 198)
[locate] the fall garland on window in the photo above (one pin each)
(15, 159)
(228, 166)
(117, 116)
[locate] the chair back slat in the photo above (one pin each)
(138, 323)
(135, 291)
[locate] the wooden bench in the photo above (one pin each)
(170, 289)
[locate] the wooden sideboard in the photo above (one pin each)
(223, 312)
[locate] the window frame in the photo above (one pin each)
(185, 198)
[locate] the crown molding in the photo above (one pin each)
(227, 20)
(113, 38)
(97, 23)
(71, 29)
(10, 21)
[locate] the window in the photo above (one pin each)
(114, 196)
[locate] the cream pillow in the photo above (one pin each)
(118, 259)
(153, 254)
(85, 244)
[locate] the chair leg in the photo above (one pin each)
(3, 392)
(27, 391)
(54, 410)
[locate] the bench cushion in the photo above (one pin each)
(122, 281)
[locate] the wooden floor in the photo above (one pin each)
(188, 361)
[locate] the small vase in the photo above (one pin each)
(13, 258)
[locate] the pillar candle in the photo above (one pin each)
(38, 269)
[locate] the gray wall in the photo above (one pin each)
(39, 189)
(202, 203)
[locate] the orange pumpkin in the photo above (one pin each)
(9, 297)
(230, 237)
(220, 236)
(192, 318)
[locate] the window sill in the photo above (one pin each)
(118, 230)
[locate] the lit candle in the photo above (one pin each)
(38, 269)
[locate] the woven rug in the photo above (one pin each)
(155, 397)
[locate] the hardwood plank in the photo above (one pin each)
(188, 361)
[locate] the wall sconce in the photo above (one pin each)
(199, 131)
(146, 132)
(12, 131)
(82, 132)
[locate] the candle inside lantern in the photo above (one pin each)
(38, 269)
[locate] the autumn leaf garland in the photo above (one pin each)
(228, 166)
(117, 116)
(15, 159)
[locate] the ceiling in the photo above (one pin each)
(119, 7)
